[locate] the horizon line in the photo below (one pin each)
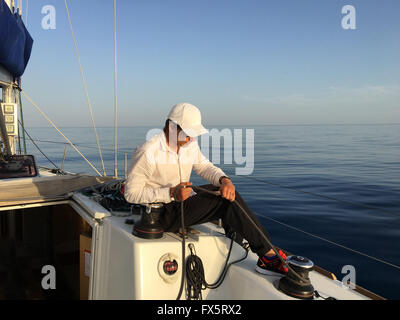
(232, 125)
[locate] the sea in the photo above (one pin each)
(330, 193)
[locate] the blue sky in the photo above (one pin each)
(241, 62)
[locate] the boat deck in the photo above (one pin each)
(242, 282)
(124, 266)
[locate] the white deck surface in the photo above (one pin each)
(242, 282)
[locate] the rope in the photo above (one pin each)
(196, 280)
(301, 280)
(37, 146)
(115, 92)
(329, 241)
(318, 237)
(85, 88)
(55, 127)
(183, 246)
(310, 234)
(77, 144)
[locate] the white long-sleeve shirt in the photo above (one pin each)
(155, 168)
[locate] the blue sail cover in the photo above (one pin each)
(15, 42)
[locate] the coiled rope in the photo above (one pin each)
(196, 281)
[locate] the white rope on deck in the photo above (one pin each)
(85, 87)
(55, 127)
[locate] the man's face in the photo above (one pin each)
(182, 137)
(177, 135)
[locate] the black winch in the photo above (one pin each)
(149, 226)
(298, 284)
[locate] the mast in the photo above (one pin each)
(8, 113)
(7, 120)
(9, 107)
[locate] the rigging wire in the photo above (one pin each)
(312, 235)
(316, 236)
(116, 147)
(30, 138)
(259, 215)
(85, 88)
(321, 195)
(329, 241)
(319, 237)
(115, 92)
(55, 127)
(80, 145)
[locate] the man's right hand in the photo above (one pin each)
(183, 193)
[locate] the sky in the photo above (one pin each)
(253, 62)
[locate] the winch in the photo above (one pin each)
(149, 226)
(298, 285)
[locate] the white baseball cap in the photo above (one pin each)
(188, 117)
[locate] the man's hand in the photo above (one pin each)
(183, 193)
(227, 189)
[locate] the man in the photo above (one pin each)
(160, 170)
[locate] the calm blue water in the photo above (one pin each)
(354, 163)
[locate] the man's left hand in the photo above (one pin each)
(227, 189)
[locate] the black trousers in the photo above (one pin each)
(204, 207)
